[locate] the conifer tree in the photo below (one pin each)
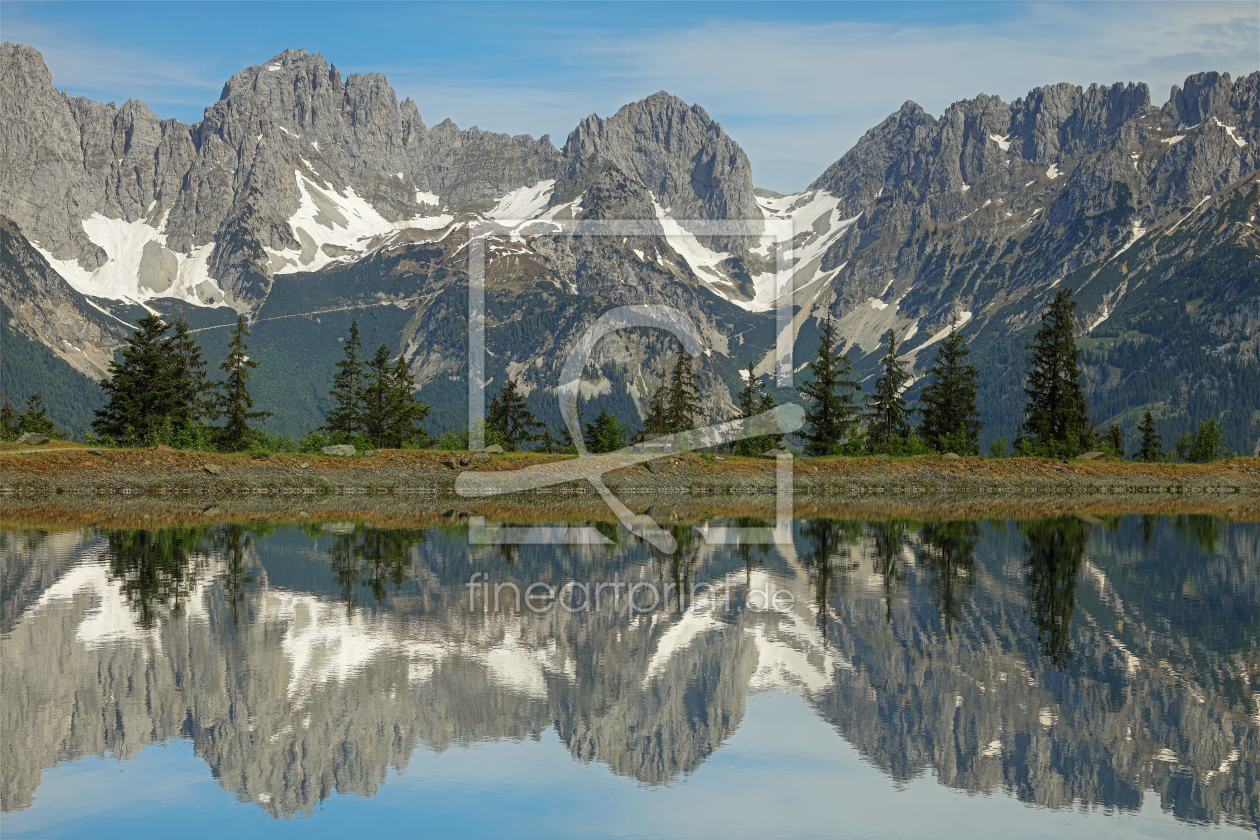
(829, 394)
(1204, 445)
(1114, 441)
(8, 422)
(346, 419)
(886, 412)
(196, 404)
(753, 399)
(234, 403)
(675, 407)
(1151, 449)
(682, 406)
(509, 416)
(548, 442)
(389, 408)
(374, 398)
(1056, 414)
(143, 389)
(408, 411)
(654, 422)
(605, 433)
(950, 419)
(35, 418)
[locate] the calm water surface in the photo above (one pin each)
(1064, 677)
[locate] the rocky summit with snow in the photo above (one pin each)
(304, 199)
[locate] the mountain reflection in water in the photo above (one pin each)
(1069, 661)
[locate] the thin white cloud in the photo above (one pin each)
(844, 77)
(795, 95)
(91, 68)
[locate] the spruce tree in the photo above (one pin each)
(753, 399)
(886, 412)
(346, 419)
(8, 422)
(196, 404)
(143, 390)
(1056, 413)
(675, 407)
(408, 411)
(829, 396)
(1114, 441)
(389, 410)
(234, 402)
(654, 422)
(35, 418)
(509, 416)
(374, 398)
(950, 419)
(1151, 449)
(682, 405)
(605, 433)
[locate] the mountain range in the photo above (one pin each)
(304, 199)
(293, 681)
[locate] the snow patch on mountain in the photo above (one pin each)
(524, 203)
(331, 226)
(1229, 130)
(940, 335)
(139, 267)
(816, 225)
(1004, 143)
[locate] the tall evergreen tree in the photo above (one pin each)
(375, 398)
(829, 394)
(1152, 448)
(654, 421)
(950, 419)
(1114, 441)
(1204, 445)
(195, 396)
(1056, 413)
(408, 411)
(346, 419)
(35, 418)
(143, 390)
(753, 399)
(389, 408)
(682, 408)
(675, 407)
(234, 403)
(8, 422)
(605, 433)
(886, 414)
(509, 416)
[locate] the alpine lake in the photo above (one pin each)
(879, 673)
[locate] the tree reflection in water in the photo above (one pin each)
(1055, 548)
(157, 569)
(949, 556)
(373, 557)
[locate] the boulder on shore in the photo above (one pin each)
(494, 450)
(31, 439)
(340, 450)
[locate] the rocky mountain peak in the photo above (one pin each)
(1206, 94)
(675, 150)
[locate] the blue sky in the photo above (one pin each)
(795, 83)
